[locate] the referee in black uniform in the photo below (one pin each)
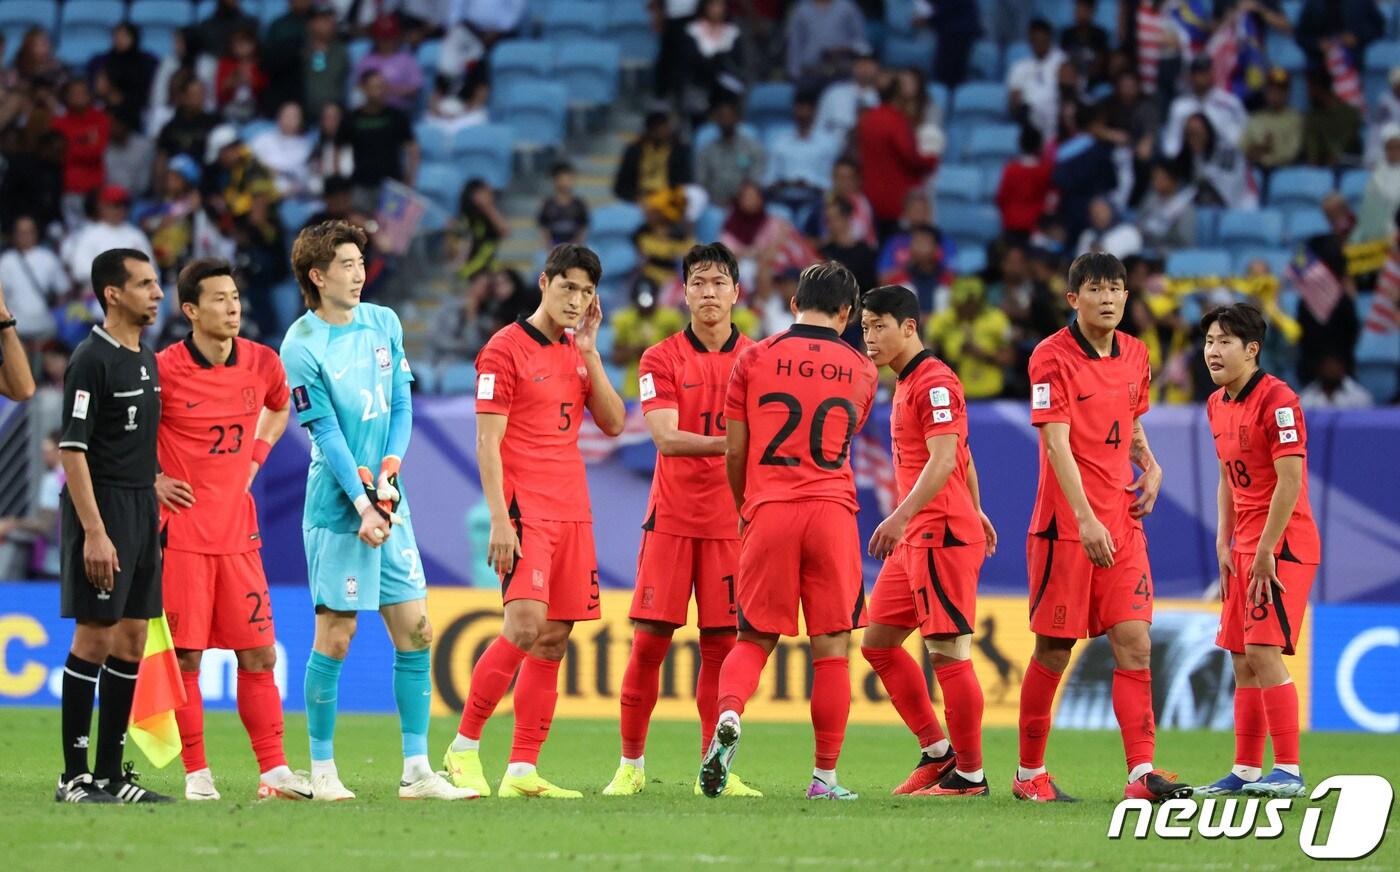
(111, 548)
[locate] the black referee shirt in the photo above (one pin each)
(111, 406)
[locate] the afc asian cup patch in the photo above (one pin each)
(647, 385)
(1040, 396)
(1284, 417)
(486, 386)
(381, 357)
(81, 399)
(938, 397)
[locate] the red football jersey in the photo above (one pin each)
(689, 495)
(928, 402)
(208, 423)
(1253, 429)
(542, 387)
(803, 394)
(1099, 397)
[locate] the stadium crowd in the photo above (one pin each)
(966, 149)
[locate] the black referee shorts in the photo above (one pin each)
(132, 518)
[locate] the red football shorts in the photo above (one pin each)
(558, 567)
(806, 554)
(934, 589)
(217, 600)
(1278, 624)
(670, 567)
(1071, 598)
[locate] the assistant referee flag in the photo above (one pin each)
(159, 692)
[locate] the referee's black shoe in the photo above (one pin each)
(81, 788)
(125, 788)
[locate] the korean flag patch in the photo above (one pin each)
(647, 386)
(942, 416)
(1040, 396)
(1284, 417)
(486, 386)
(938, 397)
(1286, 436)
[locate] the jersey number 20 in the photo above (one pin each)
(771, 457)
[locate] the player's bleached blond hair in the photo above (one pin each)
(315, 249)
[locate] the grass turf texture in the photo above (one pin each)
(666, 825)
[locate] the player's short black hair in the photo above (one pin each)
(568, 255)
(714, 254)
(1094, 266)
(1242, 320)
(109, 271)
(188, 284)
(897, 301)
(827, 286)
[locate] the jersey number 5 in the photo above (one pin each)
(771, 457)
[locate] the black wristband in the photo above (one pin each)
(9, 323)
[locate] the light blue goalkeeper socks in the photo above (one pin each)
(413, 695)
(322, 688)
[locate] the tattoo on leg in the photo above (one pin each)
(421, 636)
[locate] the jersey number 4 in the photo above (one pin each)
(771, 457)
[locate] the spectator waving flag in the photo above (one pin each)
(159, 692)
(1316, 284)
(874, 470)
(1151, 36)
(1346, 83)
(401, 210)
(1194, 18)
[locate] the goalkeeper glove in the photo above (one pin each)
(387, 487)
(384, 507)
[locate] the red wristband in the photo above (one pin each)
(260, 449)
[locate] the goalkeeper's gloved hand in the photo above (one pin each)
(384, 507)
(387, 488)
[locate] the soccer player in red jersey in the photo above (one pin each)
(933, 545)
(1086, 553)
(794, 402)
(1267, 545)
(225, 403)
(533, 383)
(690, 539)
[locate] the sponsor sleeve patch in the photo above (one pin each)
(938, 397)
(1284, 417)
(301, 398)
(403, 364)
(1286, 436)
(1040, 396)
(647, 386)
(486, 386)
(942, 416)
(80, 404)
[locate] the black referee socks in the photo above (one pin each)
(79, 685)
(118, 686)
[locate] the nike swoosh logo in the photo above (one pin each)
(540, 378)
(304, 794)
(696, 385)
(338, 375)
(1082, 397)
(1217, 435)
(189, 405)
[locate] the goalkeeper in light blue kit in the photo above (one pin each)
(349, 384)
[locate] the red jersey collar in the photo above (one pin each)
(203, 361)
(812, 331)
(533, 332)
(1089, 350)
(913, 364)
(1246, 390)
(699, 346)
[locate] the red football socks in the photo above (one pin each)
(190, 719)
(831, 707)
(1037, 698)
(490, 680)
(640, 685)
(1251, 727)
(738, 678)
(962, 706)
(714, 647)
(260, 709)
(536, 694)
(904, 682)
(1281, 709)
(1132, 704)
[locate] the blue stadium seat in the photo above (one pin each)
(1277, 259)
(899, 16)
(588, 70)
(20, 15)
(941, 99)
(425, 378)
(990, 146)
(576, 21)
(1292, 187)
(434, 140)
(458, 378)
(1198, 262)
(271, 10)
(1353, 185)
(1016, 51)
(161, 13)
(958, 183)
(521, 61)
(1262, 227)
(255, 128)
(1381, 56)
(969, 224)
(427, 56)
(78, 49)
(295, 213)
(535, 111)
(442, 182)
(769, 103)
(970, 260)
(617, 258)
(1377, 356)
(909, 51)
(205, 8)
(614, 224)
(985, 63)
(1207, 222)
(709, 225)
(1302, 224)
(358, 49)
(981, 101)
(629, 25)
(1059, 13)
(1284, 52)
(82, 18)
(487, 149)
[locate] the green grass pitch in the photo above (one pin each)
(665, 827)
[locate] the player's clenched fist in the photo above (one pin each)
(503, 547)
(374, 526)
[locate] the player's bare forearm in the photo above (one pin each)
(942, 457)
(1139, 452)
(1224, 510)
(1055, 438)
(736, 456)
(1285, 497)
(79, 483)
(973, 487)
(16, 378)
(672, 441)
(272, 423)
(490, 430)
(607, 408)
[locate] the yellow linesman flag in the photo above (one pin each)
(159, 692)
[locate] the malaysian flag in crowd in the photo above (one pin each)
(1346, 83)
(596, 446)
(1319, 288)
(1384, 316)
(1193, 16)
(401, 210)
(1236, 52)
(874, 470)
(1151, 26)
